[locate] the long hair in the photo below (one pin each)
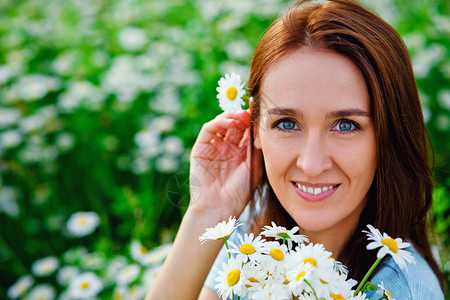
(401, 193)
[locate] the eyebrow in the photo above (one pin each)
(332, 115)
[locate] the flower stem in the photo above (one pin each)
(361, 284)
(315, 295)
(228, 247)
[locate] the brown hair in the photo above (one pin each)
(401, 193)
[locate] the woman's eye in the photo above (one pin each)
(345, 126)
(285, 125)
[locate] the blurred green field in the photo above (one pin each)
(100, 103)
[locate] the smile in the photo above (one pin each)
(315, 192)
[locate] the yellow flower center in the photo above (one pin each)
(231, 93)
(323, 281)
(143, 250)
(233, 277)
(310, 260)
(83, 220)
(41, 298)
(85, 285)
(337, 297)
(391, 243)
(388, 294)
(286, 281)
(247, 249)
(251, 279)
(300, 275)
(277, 254)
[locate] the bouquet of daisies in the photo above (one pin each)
(261, 269)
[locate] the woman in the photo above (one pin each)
(337, 141)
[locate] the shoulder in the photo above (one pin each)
(417, 281)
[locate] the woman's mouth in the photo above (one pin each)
(314, 192)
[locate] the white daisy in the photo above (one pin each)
(149, 276)
(250, 248)
(298, 278)
(384, 291)
(230, 93)
(317, 257)
(229, 279)
(221, 231)
(276, 260)
(281, 233)
(136, 292)
(271, 291)
(45, 266)
(340, 288)
(82, 223)
(20, 287)
(42, 292)
(388, 245)
(339, 267)
(359, 296)
(128, 274)
(85, 286)
(252, 277)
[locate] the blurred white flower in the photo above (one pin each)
(20, 287)
(8, 201)
(167, 164)
(82, 223)
(426, 59)
(9, 116)
(166, 101)
(163, 123)
(85, 286)
(146, 257)
(45, 266)
(65, 141)
(444, 98)
(114, 266)
(6, 72)
(31, 123)
(443, 122)
(140, 165)
(42, 292)
(10, 139)
(239, 49)
(64, 63)
(173, 145)
(132, 38)
(35, 86)
(128, 274)
(150, 275)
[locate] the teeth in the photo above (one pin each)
(313, 191)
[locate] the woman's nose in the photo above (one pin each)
(314, 157)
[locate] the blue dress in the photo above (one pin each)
(417, 282)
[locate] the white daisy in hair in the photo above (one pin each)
(230, 93)
(281, 233)
(382, 290)
(85, 286)
(388, 245)
(221, 231)
(272, 292)
(229, 279)
(249, 248)
(277, 256)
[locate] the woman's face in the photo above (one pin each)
(317, 137)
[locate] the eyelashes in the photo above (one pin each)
(342, 126)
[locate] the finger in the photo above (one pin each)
(210, 129)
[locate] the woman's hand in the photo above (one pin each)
(220, 163)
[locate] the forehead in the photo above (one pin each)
(317, 78)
